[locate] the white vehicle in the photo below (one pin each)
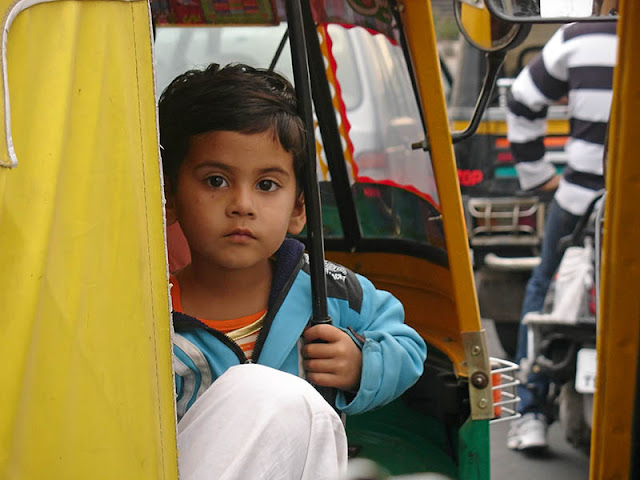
(381, 109)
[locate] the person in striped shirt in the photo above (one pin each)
(576, 64)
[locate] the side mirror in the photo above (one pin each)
(484, 29)
(538, 11)
(493, 35)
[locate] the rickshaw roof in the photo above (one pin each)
(371, 14)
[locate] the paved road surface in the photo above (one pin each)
(560, 462)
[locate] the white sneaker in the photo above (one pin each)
(528, 433)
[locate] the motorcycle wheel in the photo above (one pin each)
(572, 418)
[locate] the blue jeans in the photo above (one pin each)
(558, 224)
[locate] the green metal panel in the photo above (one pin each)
(474, 451)
(402, 440)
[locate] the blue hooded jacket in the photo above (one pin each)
(393, 354)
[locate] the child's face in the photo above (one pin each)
(235, 198)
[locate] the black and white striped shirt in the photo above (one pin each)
(576, 62)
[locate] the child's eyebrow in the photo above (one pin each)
(230, 169)
(279, 170)
(217, 165)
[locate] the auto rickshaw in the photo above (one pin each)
(87, 384)
(615, 434)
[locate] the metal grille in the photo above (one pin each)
(504, 382)
(510, 221)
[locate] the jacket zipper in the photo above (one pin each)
(273, 309)
(224, 338)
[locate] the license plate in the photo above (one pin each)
(586, 371)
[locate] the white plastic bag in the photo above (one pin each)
(573, 283)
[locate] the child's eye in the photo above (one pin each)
(217, 181)
(267, 185)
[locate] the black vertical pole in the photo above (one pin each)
(311, 192)
(281, 45)
(315, 245)
(393, 6)
(330, 133)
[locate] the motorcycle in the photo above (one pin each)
(562, 338)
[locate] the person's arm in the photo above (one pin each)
(393, 353)
(540, 84)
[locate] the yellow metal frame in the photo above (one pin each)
(499, 127)
(87, 384)
(417, 18)
(619, 327)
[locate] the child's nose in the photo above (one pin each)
(242, 202)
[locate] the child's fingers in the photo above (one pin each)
(323, 379)
(320, 365)
(321, 372)
(325, 333)
(327, 344)
(318, 350)
(329, 374)
(330, 358)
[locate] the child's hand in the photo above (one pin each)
(336, 363)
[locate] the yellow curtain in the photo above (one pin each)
(86, 386)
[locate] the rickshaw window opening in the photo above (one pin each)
(393, 5)
(281, 46)
(340, 186)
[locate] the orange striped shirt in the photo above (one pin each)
(243, 331)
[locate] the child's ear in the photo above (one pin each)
(298, 216)
(170, 205)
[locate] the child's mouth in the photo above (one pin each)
(240, 235)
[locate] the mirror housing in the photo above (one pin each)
(485, 30)
(553, 11)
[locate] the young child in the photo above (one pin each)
(233, 150)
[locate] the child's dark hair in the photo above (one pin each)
(236, 98)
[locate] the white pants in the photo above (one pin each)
(258, 423)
